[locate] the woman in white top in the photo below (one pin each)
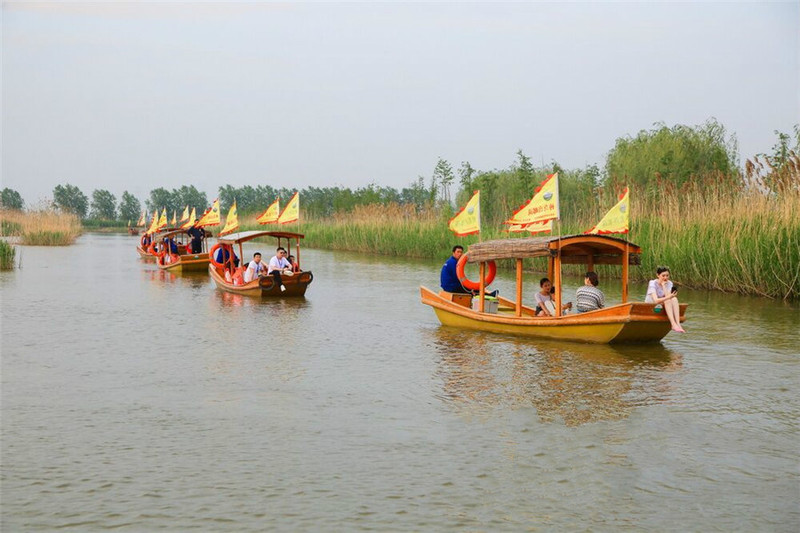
(662, 291)
(544, 302)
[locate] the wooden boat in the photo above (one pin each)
(146, 249)
(184, 260)
(296, 284)
(625, 322)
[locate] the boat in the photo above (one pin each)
(296, 284)
(147, 247)
(184, 260)
(627, 322)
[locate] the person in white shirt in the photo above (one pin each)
(278, 266)
(254, 269)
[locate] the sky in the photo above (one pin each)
(135, 96)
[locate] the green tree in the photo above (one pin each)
(129, 208)
(11, 199)
(69, 198)
(104, 205)
(671, 154)
(189, 196)
(443, 175)
(524, 173)
(162, 198)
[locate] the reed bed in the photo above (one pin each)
(42, 228)
(7, 255)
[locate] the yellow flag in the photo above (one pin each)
(542, 207)
(162, 222)
(185, 215)
(211, 216)
(142, 220)
(532, 228)
(190, 222)
(231, 221)
(468, 220)
(292, 211)
(270, 216)
(154, 224)
(617, 220)
(174, 217)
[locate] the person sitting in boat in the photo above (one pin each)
(146, 240)
(223, 255)
(544, 299)
(255, 268)
(295, 266)
(279, 266)
(197, 235)
(589, 297)
(448, 279)
(170, 245)
(662, 291)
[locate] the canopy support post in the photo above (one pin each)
(482, 286)
(625, 259)
(519, 287)
(557, 281)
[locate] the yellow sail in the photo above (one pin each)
(542, 207)
(617, 220)
(211, 216)
(174, 217)
(292, 211)
(142, 220)
(190, 220)
(270, 216)
(154, 224)
(162, 222)
(185, 215)
(468, 220)
(231, 221)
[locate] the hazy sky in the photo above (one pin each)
(144, 95)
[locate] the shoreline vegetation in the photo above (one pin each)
(40, 228)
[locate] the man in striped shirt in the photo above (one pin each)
(589, 297)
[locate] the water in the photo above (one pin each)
(139, 400)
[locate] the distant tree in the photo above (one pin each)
(69, 198)
(782, 149)
(524, 173)
(466, 174)
(673, 154)
(189, 196)
(104, 205)
(129, 208)
(11, 199)
(161, 198)
(443, 175)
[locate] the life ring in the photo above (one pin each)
(262, 281)
(211, 254)
(474, 285)
(152, 250)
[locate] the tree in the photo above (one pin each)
(69, 198)
(129, 208)
(466, 174)
(189, 196)
(104, 205)
(672, 154)
(11, 199)
(161, 198)
(443, 174)
(524, 173)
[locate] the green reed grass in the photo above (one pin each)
(43, 228)
(7, 254)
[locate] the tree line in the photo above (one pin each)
(675, 155)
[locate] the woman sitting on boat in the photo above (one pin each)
(544, 300)
(662, 291)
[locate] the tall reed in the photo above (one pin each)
(7, 254)
(42, 228)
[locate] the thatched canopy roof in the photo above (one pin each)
(575, 249)
(244, 236)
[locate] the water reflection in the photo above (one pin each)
(575, 383)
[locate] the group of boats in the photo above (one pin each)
(171, 251)
(626, 322)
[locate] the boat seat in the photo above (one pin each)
(457, 298)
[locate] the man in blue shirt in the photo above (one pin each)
(449, 278)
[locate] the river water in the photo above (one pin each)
(138, 400)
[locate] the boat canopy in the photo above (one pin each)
(574, 249)
(167, 232)
(244, 236)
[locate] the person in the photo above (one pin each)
(589, 297)
(170, 245)
(255, 268)
(448, 279)
(544, 300)
(197, 235)
(662, 291)
(295, 266)
(279, 266)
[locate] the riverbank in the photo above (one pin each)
(40, 228)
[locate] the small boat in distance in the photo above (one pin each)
(184, 260)
(148, 244)
(229, 277)
(633, 322)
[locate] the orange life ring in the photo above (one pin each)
(211, 254)
(152, 250)
(474, 285)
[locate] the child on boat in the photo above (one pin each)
(544, 300)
